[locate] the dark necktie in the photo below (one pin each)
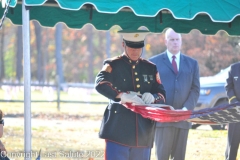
(174, 64)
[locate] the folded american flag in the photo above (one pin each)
(221, 114)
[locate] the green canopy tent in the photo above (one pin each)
(208, 16)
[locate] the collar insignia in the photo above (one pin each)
(151, 77)
(145, 78)
(236, 77)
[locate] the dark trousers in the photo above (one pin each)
(116, 151)
(170, 143)
(233, 141)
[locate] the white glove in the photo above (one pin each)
(148, 98)
(135, 93)
(238, 109)
(131, 98)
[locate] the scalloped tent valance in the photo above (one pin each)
(218, 10)
(208, 16)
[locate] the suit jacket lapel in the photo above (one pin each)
(181, 65)
(167, 62)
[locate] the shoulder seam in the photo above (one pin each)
(113, 58)
(147, 61)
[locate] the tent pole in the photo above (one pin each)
(27, 81)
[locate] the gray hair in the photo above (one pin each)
(170, 30)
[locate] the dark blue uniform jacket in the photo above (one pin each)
(120, 124)
(233, 83)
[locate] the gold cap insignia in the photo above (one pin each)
(136, 35)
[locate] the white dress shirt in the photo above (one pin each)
(177, 59)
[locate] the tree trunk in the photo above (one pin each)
(90, 54)
(19, 52)
(58, 39)
(45, 57)
(1, 56)
(40, 67)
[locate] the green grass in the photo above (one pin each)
(206, 145)
(202, 145)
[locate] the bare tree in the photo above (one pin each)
(19, 52)
(90, 54)
(45, 56)
(58, 40)
(40, 67)
(1, 55)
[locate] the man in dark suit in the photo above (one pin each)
(233, 92)
(180, 78)
(129, 79)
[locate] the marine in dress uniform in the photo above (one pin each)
(233, 92)
(129, 79)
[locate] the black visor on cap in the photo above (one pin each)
(134, 44)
